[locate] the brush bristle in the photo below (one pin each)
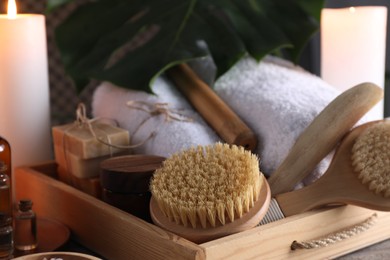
(371, 158)
(207, 185)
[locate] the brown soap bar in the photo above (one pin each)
(78, 139)
(129, 173)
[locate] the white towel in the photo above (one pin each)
(278, 101)
(171, 136)
(275, 98)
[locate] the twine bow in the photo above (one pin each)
(158, 109)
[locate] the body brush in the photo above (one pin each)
(359, 174)
(208, 192)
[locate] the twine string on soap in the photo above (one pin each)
(83, 120)
(338, 236)
(156, 109)
(153, 109)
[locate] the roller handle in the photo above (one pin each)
(212, 108)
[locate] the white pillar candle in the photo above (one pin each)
(24, 88)
(353, 48)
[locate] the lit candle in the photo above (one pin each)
(24, 87)
(353, 47)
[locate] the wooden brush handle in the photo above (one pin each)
(212, 108)
(322, 135)
(302, 200)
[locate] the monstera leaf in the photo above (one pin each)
(131, 42)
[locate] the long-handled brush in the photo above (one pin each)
(359, 174)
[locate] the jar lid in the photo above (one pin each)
(129, 173)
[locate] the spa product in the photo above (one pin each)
(5, 192)
(209, 189)
(26, 238)
(352, 177)
(6, 237)
(80, 147)
(322, 135)
(125, 182)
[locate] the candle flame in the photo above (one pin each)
(352, 10)
(12, 9)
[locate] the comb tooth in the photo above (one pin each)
(221, 212)
(175, 212)
(211, 213)
(238, 206)
(251, 197)
(230, 209)
(202, 215)
(183, 215)
(246, 202)
(258, 184)
(192, 214)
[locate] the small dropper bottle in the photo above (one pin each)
(25, 238)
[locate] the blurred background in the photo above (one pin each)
(64, 98)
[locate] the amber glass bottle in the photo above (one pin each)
(6, 237)
(5, 157)
(25, 237)
(5, 193)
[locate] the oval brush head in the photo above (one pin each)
(207, 185)
(371, 158)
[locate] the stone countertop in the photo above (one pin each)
(377, 251)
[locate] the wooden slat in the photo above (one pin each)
(273, 241)
(115, 234)
(104, 229)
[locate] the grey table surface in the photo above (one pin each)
(377, 251)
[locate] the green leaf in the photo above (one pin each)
(54, 4)
(130, 43)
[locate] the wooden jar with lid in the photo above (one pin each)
(125, 182)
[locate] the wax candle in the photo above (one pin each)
(24, 87)
(353, 48)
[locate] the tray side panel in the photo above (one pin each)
(273, 241)
(110, 232)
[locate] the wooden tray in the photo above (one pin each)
(115, 234)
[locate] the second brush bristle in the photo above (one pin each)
(371, 158)
(207, 185)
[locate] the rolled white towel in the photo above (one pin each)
(110, 101)
(278, 100)
(275, 98)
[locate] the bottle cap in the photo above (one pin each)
(25, 204)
